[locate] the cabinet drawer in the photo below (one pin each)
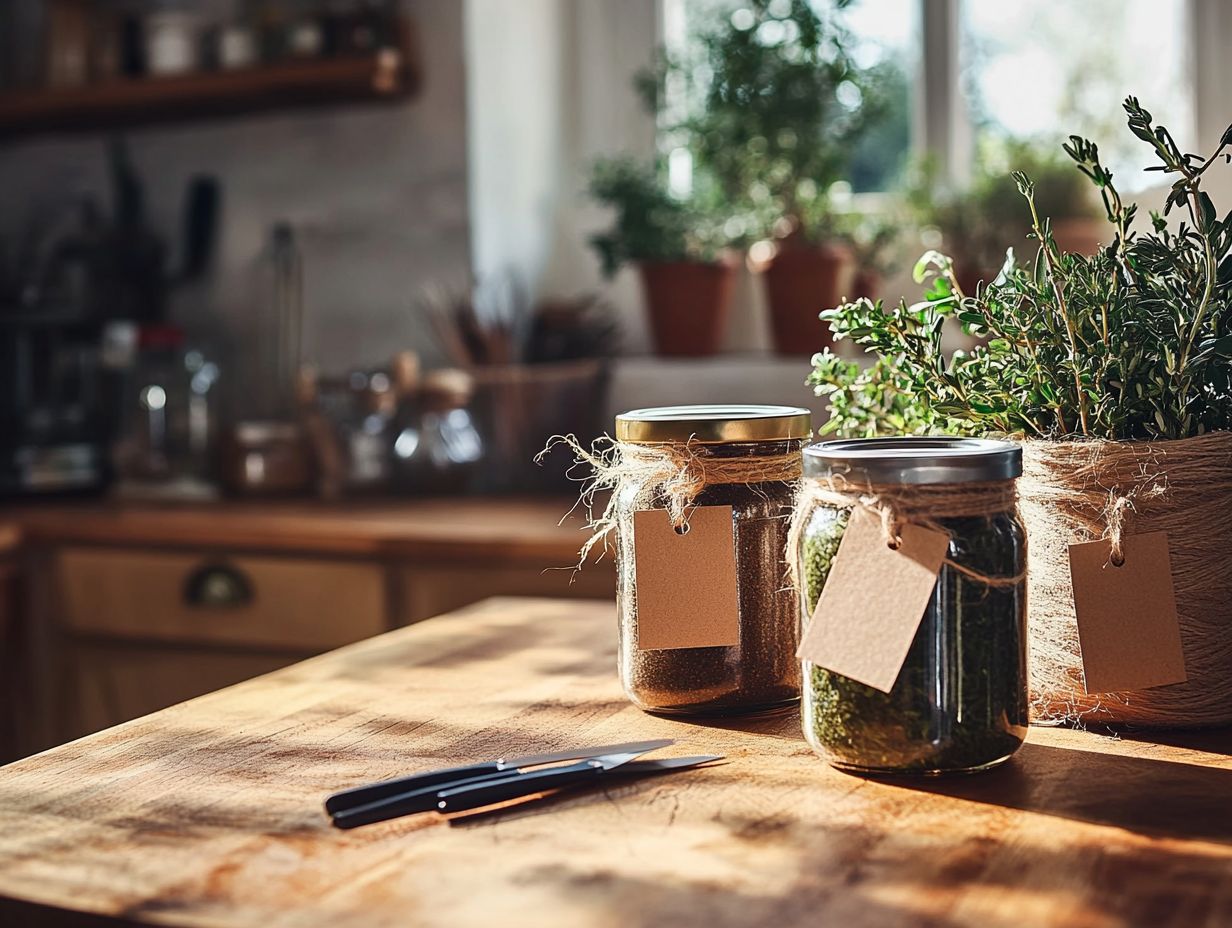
(299, 604)
(115, 681)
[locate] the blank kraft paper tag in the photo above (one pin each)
(873, 600)
(1127, 623)
(686, 583)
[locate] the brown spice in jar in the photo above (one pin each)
(761, 672)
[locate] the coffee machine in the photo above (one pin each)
(54, 415)
(74, 295)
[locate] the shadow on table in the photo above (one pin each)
(18, 913)
(780, 723)
(1145, 795)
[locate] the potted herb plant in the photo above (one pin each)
(1115, 369)
(874, 241)
(979, 223)
(686, 279)
(773, 123)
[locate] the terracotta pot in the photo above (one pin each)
(688, 305)
(801, 282)
(866, 284)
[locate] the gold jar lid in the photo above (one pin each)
(713, 424)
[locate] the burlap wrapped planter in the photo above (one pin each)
(1070, 491)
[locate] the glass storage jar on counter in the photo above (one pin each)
(167, 419)
(436, 447)
(959, 703)
(759, 672)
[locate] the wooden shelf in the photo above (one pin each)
(387, 75)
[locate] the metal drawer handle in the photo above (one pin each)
(217, 586)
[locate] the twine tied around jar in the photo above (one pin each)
(1114, 519)
(1115, 516)
(897, 504)
(666, 475)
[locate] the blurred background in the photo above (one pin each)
(291, 291)
(219, 215)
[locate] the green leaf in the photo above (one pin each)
(1218, 347)
(931, 261)
(1208, 215)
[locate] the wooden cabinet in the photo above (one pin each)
(219, 598)
(135, 609)
(11, 675)
(147, 629)
(111, 681)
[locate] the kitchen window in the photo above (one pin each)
(961, 74)
(1040, 70)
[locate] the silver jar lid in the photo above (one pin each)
(915, 460)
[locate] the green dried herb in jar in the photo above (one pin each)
(959, 703)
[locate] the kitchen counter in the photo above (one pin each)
(209, 813)
(437, 528)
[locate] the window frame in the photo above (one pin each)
(946, 134)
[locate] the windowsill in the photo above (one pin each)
(650, 380)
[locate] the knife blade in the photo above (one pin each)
(472, 796)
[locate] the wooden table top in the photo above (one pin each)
(496, 528)
(209, 813)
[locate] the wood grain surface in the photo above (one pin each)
(209, 813)
(499, 530)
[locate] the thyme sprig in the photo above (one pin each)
(1130, 343)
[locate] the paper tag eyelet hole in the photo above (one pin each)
(682, 529)
(1117, 561)
(894, 543)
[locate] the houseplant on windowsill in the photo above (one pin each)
(773, 122)
(875, 241)
(806, 271)
(1115, 369)
(678, 249)
(979, 223)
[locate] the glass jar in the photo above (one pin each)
(959, 703)
(267, 459)
(167, 416)
(365, 432)
(436, 447)
(759, 672)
